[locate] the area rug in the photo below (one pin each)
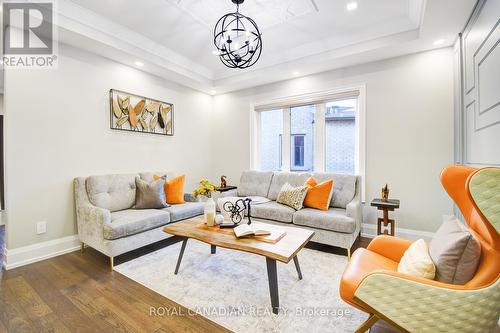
(231, 289)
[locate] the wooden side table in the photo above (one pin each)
(225, 189)
(385, 207)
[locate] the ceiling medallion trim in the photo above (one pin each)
(238, 39)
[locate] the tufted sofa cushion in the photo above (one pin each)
(273, 211)
(184, 211)
(334, 219)
(344, 187)
(133, 221)
(254, 183)
(112, 192)
(281, 178)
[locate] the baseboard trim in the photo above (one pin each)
(37, 252)
(370, 230)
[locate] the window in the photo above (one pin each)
(302, 129)
(340, 136)
(297, 151)
(271, 129)
(321, 132)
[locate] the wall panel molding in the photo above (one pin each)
(478, 114)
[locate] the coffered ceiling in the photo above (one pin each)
(174, 38)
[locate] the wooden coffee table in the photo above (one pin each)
(284, 250)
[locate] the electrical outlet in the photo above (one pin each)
(41, 227)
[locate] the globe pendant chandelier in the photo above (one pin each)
(237, 39)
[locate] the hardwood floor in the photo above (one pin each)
(76, 292)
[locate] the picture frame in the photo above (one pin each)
(135, 113)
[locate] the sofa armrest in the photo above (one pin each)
(354, 208)
(91, 221)
(92, 214)
(189, 197)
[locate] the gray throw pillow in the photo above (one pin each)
(455, 252)
(150, 195)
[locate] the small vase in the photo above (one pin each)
(209, 211)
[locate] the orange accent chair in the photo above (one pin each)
(372, 284)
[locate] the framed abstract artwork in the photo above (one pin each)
(134, 113)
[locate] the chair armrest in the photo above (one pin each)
(230, 193)
(423, 305)
(189, 197)
(389, 246)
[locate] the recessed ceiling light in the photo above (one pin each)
(295, 73)
(353, 5)
(139, 63)
(439, 42)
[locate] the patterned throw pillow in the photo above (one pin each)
(292, 196)
(150, 196)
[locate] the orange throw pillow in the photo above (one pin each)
(174, 189)
(319, 195)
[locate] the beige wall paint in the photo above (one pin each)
(409, 129)
(57, 128)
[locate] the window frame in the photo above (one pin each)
(319, 99)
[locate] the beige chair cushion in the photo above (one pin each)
(416, 261)
(455, 252)
(334, 219)
(133, 221)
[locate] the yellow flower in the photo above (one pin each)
(205, 188)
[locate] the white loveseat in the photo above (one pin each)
(339, 226)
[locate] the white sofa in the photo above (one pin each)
(107, 221)
(339, 226)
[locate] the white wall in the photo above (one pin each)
(57, 128)
(409, 130)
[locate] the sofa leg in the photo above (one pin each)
(367, 324)
(349, 254)
(82, 246)
(111, 263)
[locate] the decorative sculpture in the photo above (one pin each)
(237, 212)
(223, 182)
(385, 193)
